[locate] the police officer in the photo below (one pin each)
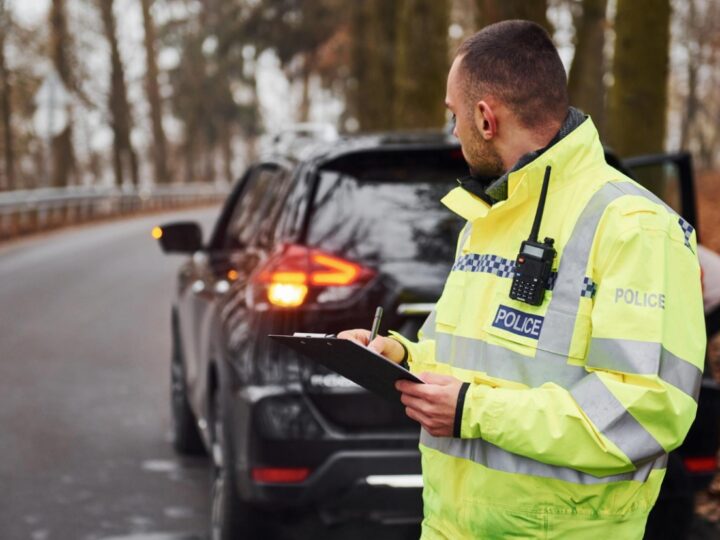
(549, 419)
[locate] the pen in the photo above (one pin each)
(376, 323)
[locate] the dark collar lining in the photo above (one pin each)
(495, 189)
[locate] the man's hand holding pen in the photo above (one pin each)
(389, 348)
(431, 404)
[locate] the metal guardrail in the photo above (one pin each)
(27, 211)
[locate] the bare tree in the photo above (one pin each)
(373, 94)
(695, 79)
(638, 97)
(124, 157)
(5, 109)
(63, 154)
(692, 103)
(587, 73)
(153, 95)
(492, 11)
(421, 63)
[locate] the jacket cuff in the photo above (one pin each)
(405, 362)
(457, 424)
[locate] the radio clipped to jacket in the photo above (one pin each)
(533, 264)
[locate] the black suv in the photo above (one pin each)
(312, 238)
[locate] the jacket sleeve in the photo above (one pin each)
(421, 354)
(644, 358)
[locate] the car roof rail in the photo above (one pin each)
(295, 136)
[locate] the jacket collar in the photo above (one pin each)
(498, 189)
(581, 148)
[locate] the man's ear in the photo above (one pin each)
(485, 120)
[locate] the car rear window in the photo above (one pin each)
(385, 206)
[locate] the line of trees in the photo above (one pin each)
(195, 109)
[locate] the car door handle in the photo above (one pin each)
(423, 308)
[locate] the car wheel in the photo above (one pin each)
(185, 434)
(231, 518)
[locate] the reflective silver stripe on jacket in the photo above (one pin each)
(557, 330)
(615, 421)
(464, 235)
(606, 412)
(496, 361)
(427, 330)
(645, 358)
(592, 396)
(626, 356)
(495, 458)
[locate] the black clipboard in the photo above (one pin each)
(355, 362)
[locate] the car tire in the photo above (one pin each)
(231, 518)
(186, 438)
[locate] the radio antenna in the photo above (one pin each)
(541, 206)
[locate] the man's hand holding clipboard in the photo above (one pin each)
(432, 404)
(429, 398)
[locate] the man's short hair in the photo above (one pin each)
(516, 62)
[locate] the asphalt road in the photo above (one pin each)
(84, 347)
(84, 384)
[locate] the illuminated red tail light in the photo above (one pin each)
(280, 476)
(705, 464)
(290, 276)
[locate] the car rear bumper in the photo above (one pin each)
(381, 485)
(375, 475)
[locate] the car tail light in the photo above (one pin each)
(289, 295)
(280, 475)
(705, 464)
(298, 275)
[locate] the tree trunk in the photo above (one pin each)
(492, 11)
(691, 101)
(63, 154)
(190, 153)
(5, 110)
(307, 69)
(421, 63)
(227, 153)
(374, 63)
(638, 97)
(209, 153)
(123, 154)
(587, 73)
(153, 95)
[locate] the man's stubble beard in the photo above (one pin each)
(483, 158)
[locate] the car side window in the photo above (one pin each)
(272, 206)
(256, 207)
(294, 207)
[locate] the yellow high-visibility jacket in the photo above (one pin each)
(572, 406)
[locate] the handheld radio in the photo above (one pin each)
(533, 264)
